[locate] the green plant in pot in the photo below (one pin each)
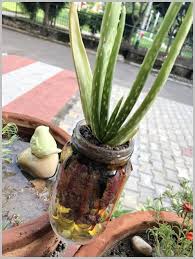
(95, 164)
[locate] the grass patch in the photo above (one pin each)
(12, 7)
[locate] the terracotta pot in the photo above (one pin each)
(27, 124)
(118, 229)
(35, 237)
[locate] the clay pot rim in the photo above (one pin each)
(30, 122)
(122, 227)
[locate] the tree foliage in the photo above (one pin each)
(83, 18)
(92, 20)
(31, 8)
(50, 9)
(134, 16)
(95, 23)
(163, 7)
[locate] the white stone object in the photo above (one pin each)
(141, 246)
(36, 167)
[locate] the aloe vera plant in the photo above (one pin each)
(95, 87)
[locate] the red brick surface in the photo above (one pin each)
(13, 62)
(47, 99)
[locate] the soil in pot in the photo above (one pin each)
(124, 247)
(87, 134)
(23, 197)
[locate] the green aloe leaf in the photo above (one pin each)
(107, 38)
(144, 70)
(125, 131)
(105, 103)
(114, 113)
(81, 63)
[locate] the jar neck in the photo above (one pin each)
(98, 153)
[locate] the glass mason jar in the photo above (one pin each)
(89, 182)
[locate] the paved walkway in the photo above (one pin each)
(163, 145)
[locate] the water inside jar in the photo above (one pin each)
(85, 196)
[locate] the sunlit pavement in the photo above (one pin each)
(163, 145)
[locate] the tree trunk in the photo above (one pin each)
(46, 14)
(55, 22)
(33, 17)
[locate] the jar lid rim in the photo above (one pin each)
(98, 152)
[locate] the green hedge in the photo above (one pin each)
(93, 21)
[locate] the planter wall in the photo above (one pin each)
(119, 228)
(27, 124)
(37, 238)
(34, 238)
